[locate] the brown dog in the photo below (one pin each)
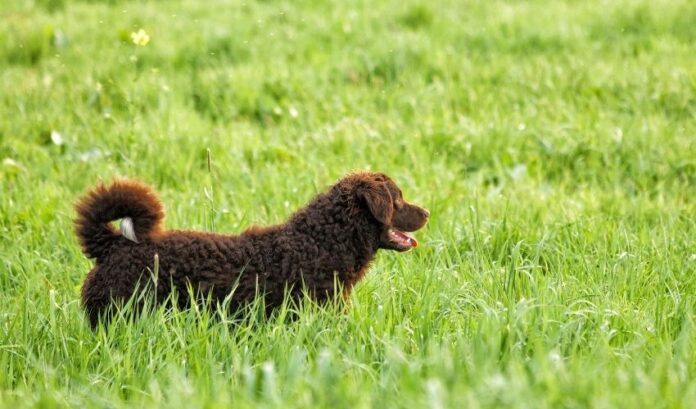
(332, 239)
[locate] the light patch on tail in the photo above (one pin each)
(127, 229)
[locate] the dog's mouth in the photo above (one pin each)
(399, 240)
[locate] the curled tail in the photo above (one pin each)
(134, 203)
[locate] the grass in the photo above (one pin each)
(553, 142)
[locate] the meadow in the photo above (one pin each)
(554, 143)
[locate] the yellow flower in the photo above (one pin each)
(140, 37)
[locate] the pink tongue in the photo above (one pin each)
(411, 241)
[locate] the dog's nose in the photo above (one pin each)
(426, 212)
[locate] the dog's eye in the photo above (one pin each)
(398, 203)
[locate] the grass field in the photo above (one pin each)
(553, 142)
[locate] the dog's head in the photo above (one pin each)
(382, 202)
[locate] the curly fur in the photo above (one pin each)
(334, 238)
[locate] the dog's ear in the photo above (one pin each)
(378, 200)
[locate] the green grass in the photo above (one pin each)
(553, 142)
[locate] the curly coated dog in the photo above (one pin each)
(331, 240)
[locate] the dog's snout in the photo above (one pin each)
(426, 213)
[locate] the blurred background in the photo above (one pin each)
(554, 143)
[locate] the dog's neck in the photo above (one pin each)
(354, 240)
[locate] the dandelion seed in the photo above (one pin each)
(293, 111)
(140, 37)
(518, 171)
(555, 357)
(60, 40)
(56, 138)
(9, 162)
